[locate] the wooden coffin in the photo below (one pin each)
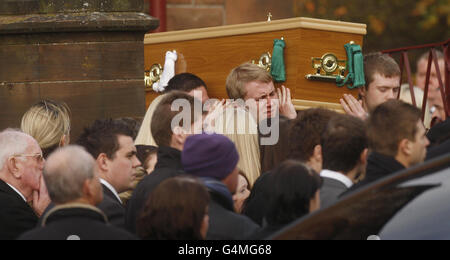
(211, 53)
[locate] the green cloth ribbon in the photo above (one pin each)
(355, 68)
(278, 69)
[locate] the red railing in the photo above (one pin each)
(432, 58)
(158, 9)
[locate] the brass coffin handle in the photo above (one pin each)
(327, 68)
(265, 61)
(153, 75)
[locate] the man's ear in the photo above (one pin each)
(102, 162)
(405, 147)
(13, 167)
(87, 191)
(90, 191)
(364, 156)
(362, 91)
(317, 154)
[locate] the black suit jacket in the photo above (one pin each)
(16, 216)
(112, 208)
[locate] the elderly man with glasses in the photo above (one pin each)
(23, 195)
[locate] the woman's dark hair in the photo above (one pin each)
(174, 211)
(293, 187)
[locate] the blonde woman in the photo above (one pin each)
(48, 121)
(238, 125)
(145, 136)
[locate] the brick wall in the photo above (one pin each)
(189, 14)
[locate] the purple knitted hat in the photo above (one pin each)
(213, 156)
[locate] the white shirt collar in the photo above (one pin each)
(338, 177)
(111, 188)
(18, 192)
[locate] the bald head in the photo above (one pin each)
(66, 173)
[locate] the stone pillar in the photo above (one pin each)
(88, 53)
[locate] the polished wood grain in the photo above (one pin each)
(212, 59)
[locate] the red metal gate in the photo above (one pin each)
(432, 58)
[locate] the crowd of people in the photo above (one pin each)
(214, 176)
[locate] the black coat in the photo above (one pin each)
(112, 208)
(224, 223)
(439, 133)
(378, 166)
(110, 205)
(168, 166)
(257, 204)
(76, 223)
(438, 150)
(16, 216)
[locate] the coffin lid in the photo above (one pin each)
(259, 27)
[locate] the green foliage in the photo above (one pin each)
(391, 23)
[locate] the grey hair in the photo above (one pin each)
(65, 173)
(12, 142)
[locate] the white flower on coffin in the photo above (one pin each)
(168, 72)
